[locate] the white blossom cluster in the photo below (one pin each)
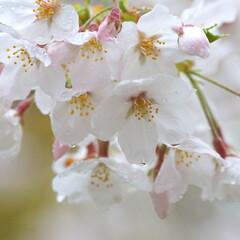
(123, 87)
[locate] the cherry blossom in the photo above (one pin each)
(144, 112)
(39, 20)
(104, 181)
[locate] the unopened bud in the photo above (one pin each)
(110, 26)
(193, 41)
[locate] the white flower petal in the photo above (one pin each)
(167, 89)
(17, 14)
(64, 23)
(15, 84)
(173, 124)
(68, 128)
(110, 117)
(10, 136)
(53, 81)
(143, 136)
(158, 21)
(7, 42)
(43, 101)
(168, 176)
(132, 174)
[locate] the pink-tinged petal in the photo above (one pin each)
(89, 75)
(161, 204)
(59, 149)
(23, 106)
(143, 136)
(168, 176)
(1, 68)
(194, 42)
(62, 52)
(110, 117)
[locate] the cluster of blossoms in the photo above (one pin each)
(124, 99)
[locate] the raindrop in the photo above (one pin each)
(72, 145)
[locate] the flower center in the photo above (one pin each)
(186, 158)
(82, 104)
(100, 175)
(22, 57)
(143, 107)
(93, 50)
(46, 8)
(150, 47)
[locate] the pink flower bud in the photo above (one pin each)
(61, 52)
(193, 41)
(110, 26)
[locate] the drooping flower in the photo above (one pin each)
(192, 163)
(71, 117)
(103, 181)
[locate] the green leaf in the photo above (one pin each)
(212, 37)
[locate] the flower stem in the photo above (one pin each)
(218, 140)
(215, 83)
(208, 113)
(89, 21)
(103, 148)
